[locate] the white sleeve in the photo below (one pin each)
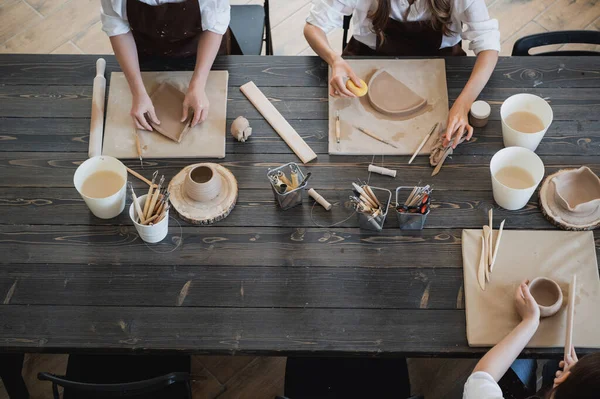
(329, 14)
(112, 14)
(216, 15)
(481, 385)
(480, 29)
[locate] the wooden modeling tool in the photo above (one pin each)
(570, 316)
(482, 265)
(149, 196)
(376, 137)
(278, 122)
(337, 127)
(438, 167)
(381, 170)
(319, 199)
(425, 140)
(136, 174)
(497, 245)
(97, 120)
(138, 146)
(136, 204)
(491, 236)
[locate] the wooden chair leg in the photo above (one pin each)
(11, 366)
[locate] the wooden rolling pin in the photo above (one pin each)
(97, 122)
(317, 197)
(570, 316)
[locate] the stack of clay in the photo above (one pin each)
(489, 251)
(570, 199)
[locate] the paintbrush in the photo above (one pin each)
(374, 136)
(425, 140)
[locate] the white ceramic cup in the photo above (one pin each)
(107, 207)
(527, 103)
(514, 198)
(151, 234)
(203, 183)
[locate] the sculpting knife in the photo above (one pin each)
(425, 140)
(374, 136)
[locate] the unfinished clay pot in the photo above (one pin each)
(578, 190)
(202, 183)
(547, 294)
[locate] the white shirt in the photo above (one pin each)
(473, 14)
(481, 385)
(214, 13)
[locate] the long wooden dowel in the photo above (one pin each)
(570, 317)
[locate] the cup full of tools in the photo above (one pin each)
(150, 213)
(412, 206)
(288, 182)
(371, 204)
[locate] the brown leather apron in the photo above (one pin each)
(170, 29)
(404, 39)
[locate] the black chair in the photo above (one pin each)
(347, 19)
(346, 378)
(107, 376)
(524, 44)
(249, 24)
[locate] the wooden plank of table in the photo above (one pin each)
(569, 138)
(241, 246)
(511, 72)
(294, 103)
(257, 208)
(226, 286)
(41, 169)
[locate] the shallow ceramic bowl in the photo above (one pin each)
(547, 294)
(578, 190)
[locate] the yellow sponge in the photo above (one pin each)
(357, 91)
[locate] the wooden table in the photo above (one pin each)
(262, 281)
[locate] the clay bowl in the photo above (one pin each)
(547, 294)
(578, 190)
(202, 183)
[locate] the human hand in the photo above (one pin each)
(142, 109)
(458, 123)
(569, 361)
(196, 99)
(526, 305)
(340, 70)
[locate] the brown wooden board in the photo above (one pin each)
(263, 280)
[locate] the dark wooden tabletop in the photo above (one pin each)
(263, 280)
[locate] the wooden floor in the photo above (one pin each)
(73, 26)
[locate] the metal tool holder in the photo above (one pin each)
(376, 223)
(291, 198)
(407, 220)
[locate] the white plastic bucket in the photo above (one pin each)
(514, 198)
(527, 103)
(107, 207)
(150, 234)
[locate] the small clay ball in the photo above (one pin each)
(357, 91)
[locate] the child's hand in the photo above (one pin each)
(566, 366)
(340, 69)
(526, 305)
(458, 123)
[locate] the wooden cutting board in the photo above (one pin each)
(427, 78)
(491, 314)
(206, 140)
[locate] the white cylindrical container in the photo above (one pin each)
(515, 198)
(151, 234)
(525, 102)
(106, 207)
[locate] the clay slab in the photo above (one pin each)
(206, 140)
(168, 103)
(491, 315)
(426, 78)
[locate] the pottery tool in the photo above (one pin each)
(319, 199)
(438, 167)
(97, 120)
(278, 122)
(337, 127)
(570, 316)
(482, 266)
(136, 204)
(376, 137)
(142, 178)
(381, 170)
(497, 245)
(138, 146)
(419, 201)
(491, 236)
(487, 239)
(425, 140)
(147, 204)
(155, 196)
